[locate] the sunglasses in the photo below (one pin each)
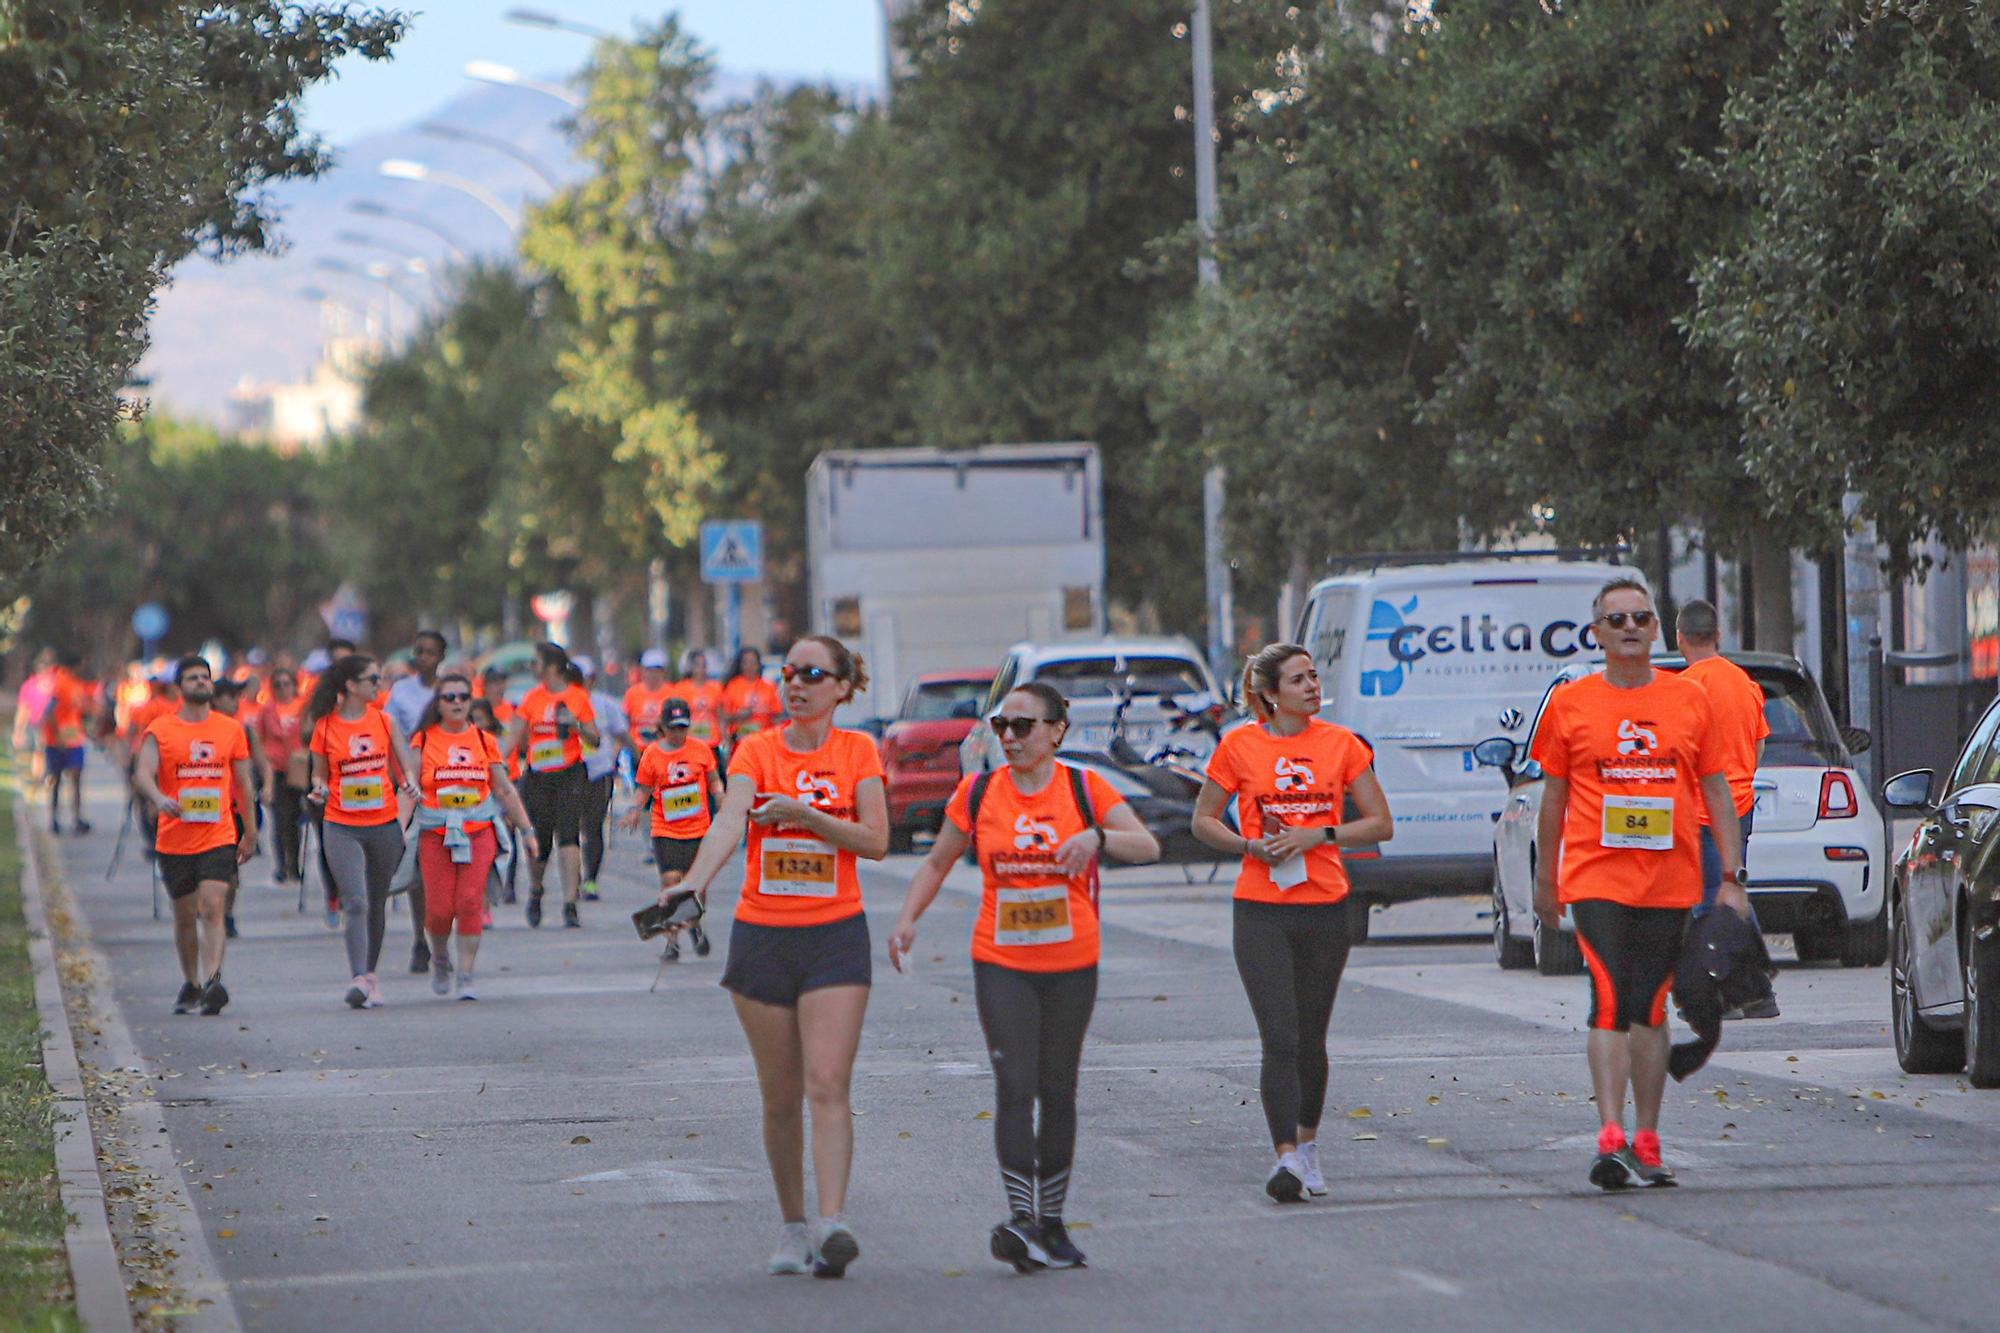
(374, 678)
(1618, 619)
(811, 675)
(455, 697)
(1020, 726)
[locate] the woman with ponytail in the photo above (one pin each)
(1292, 775)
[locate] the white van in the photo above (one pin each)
(1425, 661)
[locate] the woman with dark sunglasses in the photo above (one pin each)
(1039, 828)
(359, 766)
(465, 791)
(812, 797)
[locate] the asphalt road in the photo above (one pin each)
(573, 1152)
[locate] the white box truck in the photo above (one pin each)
(940, 559)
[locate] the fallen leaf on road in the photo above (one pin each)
(1791, 1059)
(905, 1135)
(1364, 1138)
(211, 1129)
(1628, 1217)
(954, 1272)
(1433, 1099)
(1361, 1113)
(984, 1115)
(693, 1135)
(1079, 1226)
(1437, 1143)
(226, 1233)
(1159, 999)
(420, 1135)
(321, 1217)
(1879, 1096)
(581, 1138)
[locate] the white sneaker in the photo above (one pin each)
(374, 991)
(1287, 1179)
(1308, 1155)
(794, 1253)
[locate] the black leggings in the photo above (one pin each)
(1034, 1023)
(286, 811)
(1290, 956)
(596, 805)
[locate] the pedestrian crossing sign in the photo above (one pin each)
(732, 551)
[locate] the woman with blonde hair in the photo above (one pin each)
(1292, 774)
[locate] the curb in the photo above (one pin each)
(101, 1302)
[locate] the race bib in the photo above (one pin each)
(704, 730)
(201, 805)
(1642, 823)
(1032, 916)
(680, 802)
(459, 798)
(798, 868)
(546, 755)
(363, 793)
(69, 736)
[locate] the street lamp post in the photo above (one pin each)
(1214, 484)
(506, 76)
(377, 272)
(535, 18)
(368, 208)
(403, 169)
(496, 143)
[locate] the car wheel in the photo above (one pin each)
(1557, 954)
(1866, 944)
(1509, 952)
(1982, 1011)
(1357, 919)
(1920, 1049)
(1816, 941)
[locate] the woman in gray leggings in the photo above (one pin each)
(360, 764)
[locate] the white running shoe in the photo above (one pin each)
(1308, 1155)
(440, 976)
(374, 991)
(794, 1253)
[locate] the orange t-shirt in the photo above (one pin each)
(1300, 780)
(360, 790)
(456, 770)
(792, 877)
(1737, 702)
(548, 750)
(145, 713)
(704, 701)
(758, 697)
(1032, 917)
(69, 702)
(643, 704)
(196, 770)
(1634, 760)
(679, 779)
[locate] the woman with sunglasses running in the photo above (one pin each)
(1039, 828)
(359, 765)
(798, 965)
(465, 789)
(1292, 775)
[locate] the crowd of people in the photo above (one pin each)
(1645, 772)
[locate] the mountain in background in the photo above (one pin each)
(216, 325)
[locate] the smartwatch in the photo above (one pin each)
(1742, 876)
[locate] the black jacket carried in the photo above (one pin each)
(1723, 965)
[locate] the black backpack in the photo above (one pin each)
(1077, 790)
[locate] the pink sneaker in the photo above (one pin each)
(374, 991)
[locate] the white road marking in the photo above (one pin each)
(1430, 1282)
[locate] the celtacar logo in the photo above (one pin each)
(1409, 639)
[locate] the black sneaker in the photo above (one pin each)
(1284, 1184)
(535, 911)
(214, 996)
(420, 958)
(1018, 1241)
(1058, 1246)
(672, 952)
(571, 921)
(699, 937)
(1765, 1006)
(55, 827)
(80, 827)
(188, 999)
(1617, 1171)
(229, 927)
(837, 1249)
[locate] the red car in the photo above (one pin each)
(920, 748)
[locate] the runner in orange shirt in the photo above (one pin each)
(1292, 775)
(704, 699)
(66, 740)
(1738, 704)
(279, 727)
(750, 703)
(644, 701)
(678, 777)
(1039, 827)
(194, 769)
(555, 721)
(799, 967)
(1630, 758)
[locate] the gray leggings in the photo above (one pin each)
(362, 861)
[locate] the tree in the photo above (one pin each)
(1857, 308)
(137, 132)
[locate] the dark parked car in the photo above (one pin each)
(920, 748)
(1944, 931)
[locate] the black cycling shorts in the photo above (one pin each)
(1630, 952)
(555, 802)
(182, 873)
(675, 853)
(777, 964)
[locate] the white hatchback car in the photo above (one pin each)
(1815, 845)
(1165, 678)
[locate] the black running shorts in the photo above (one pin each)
(555, 802)
(777, 964)
(1630, 952)
(675, 853)
(183, 874)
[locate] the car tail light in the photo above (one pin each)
(1847, 853)
(1836, 797)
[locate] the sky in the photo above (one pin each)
(839, 40)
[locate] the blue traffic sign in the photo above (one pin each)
(149, 622)
(732, 551)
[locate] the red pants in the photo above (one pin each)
(454, 892)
